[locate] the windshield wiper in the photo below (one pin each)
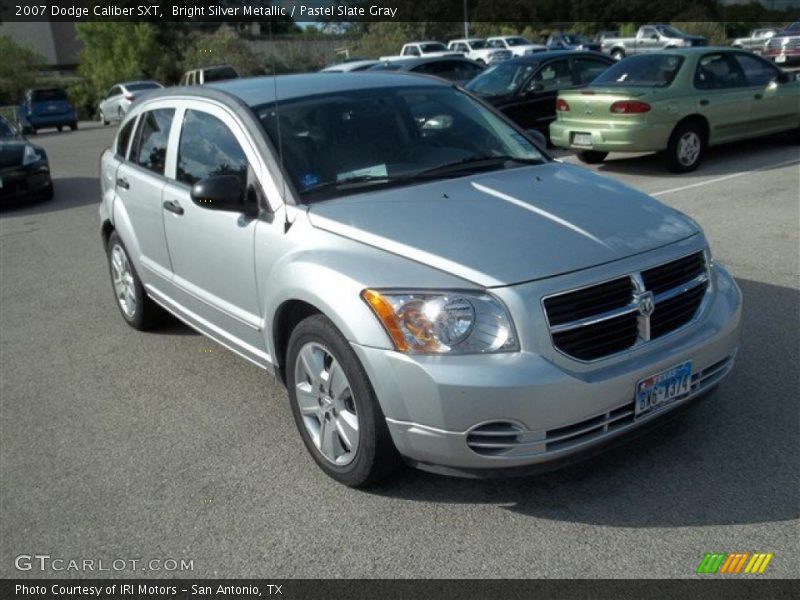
(475, 162)
(355, 181)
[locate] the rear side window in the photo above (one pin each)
(587, 69)
(757, 72)
(150, 149)
(717, 72)
(208, 148)
(123, 138)
(218, 74)
(554, 76)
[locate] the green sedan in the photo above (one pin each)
(679, 101)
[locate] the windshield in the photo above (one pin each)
(433, 47)
(670, 31)
(389, 65)
(517, 41)
(501, 79)
(48, 95)
(644, 70)
(5, 129)
(137, 87)
(357, 140)
(220, 74)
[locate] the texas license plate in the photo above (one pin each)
(661, 388)
(582, 139)
(780, 59)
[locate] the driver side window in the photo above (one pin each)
(553, 76)
(208, 147)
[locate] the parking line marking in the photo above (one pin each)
(724, 178)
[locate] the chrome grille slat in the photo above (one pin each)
(603, 319)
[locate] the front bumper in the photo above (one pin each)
(434, 404)
(611, 136)
(25, 182)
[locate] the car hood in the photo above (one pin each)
(509, 226)
(11, 151)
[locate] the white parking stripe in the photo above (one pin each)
(724, 178)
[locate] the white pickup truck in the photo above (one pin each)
(416, 49)
(650, 38)
(477, 50)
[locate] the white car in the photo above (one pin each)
(518, 45)
(756, 41)
(417, 49)
(477, 50)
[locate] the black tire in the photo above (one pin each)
(617, 54)
(592, 157)
(49, 192)
(375, 457)
(60, 128)
(673, 157)
(73, 126)
(147, 313)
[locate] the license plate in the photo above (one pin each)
(52, 107)
(661, 388)
(582, 139)
(780, 59)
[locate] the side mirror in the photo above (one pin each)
(537, 136)
(219, 192)
(653, 36)
(535, 88)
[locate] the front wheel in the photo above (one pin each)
(73, 126)
(334, 406)
(617, 54)
(136, 307)
(592, 157)
(686, 148)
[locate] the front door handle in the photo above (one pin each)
(704, 103)
(123, 183)
(173, 206)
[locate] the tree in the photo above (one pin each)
(223, 47)
(18, 69)
(117, 51)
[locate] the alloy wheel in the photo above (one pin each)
(122, 276)
(325, 399)
(689, 148)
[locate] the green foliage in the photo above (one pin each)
(223, 47)
(19, 68)
(116, 51)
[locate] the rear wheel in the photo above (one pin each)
(592, 157)
(73, 126)
(60, 128)
(686, 147)
(334, 406)
(136, 307)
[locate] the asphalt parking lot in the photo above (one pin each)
(120, 444)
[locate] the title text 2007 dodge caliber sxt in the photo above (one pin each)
(428, 283)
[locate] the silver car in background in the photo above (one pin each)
(120, 97)
(428, 283)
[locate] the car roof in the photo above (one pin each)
(424, 42)
(127, 83)
(411, 62)
(474, 39)
(550, 54)
(254, 91)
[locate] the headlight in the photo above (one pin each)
(30, 156)
(443, 322)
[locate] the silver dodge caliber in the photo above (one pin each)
(428, 283)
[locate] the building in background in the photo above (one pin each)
(56, 41)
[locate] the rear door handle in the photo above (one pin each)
(173, 206)
(123, 183)
(704, 102)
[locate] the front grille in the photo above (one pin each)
(776, 43)
(603, 319)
